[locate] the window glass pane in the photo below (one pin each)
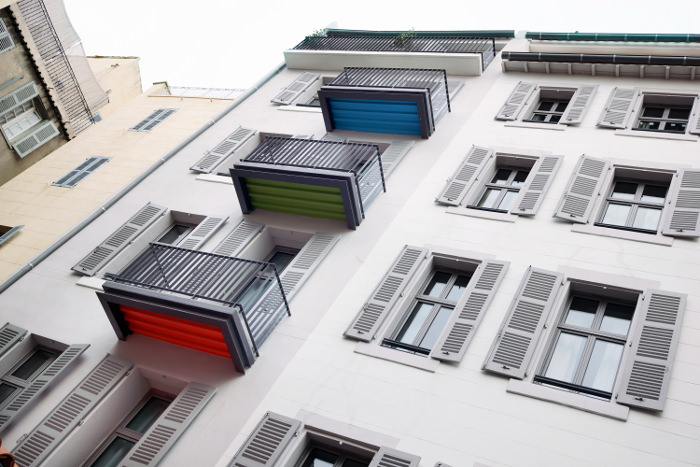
(114, 453)
(320, 458)
(581, 312)
(414, 323)
(501, 177)
(617, 318)
(435, 328)
(6, 391)
(457, 288)
(546, 105)
(29, 368)
(488, 200)
(148, 414)
(624, 190)
(507, 200)
(653, 112)
(538, 117)
(616, 214)
(252, 293)
(554, 118)
(281, 260)
(647, 218)
(353, 463)
(561, 106)
(679, 113)
(437, 284)
(520, 177)
(675, 127)
(602, 367)
(645, 125)
(654, 193)
(565, 357)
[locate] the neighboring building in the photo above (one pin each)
(399, 249)
(48, 93)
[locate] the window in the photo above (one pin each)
(223, 150)
(6, 42)
(6, 232)
(150, 122)
(611, 339)
(24, 122)
(535, 103)
(512, 183)
(317, 442)
(24, 372)
(154, 421)
(433, 303)
(638, 112)
(130, 430)
(280, 257)
(83, 170)
(646, 203)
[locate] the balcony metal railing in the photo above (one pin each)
(404, 42)
(252, 287)
(361, 159)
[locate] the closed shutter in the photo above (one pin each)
(18, 97)
(648, 371)
(577, 105)
(516, 101)
(684, 220)
(539, 179)
(116, 242)
(393, 154)
(619, 107)
(165, 431)
(524, 322)
(40, 383)
(457, 187)
(298, 86)
(239, 238)
(585, 184)
(9, 336)
(471, 307)
(156, 117)
(694, 123)
(43, 439)
(6, 42)
(76, 175)
(222, 150)
(388, 457)
(202, 232)
(267, 442)
(373, 313)
(40, 134)
(306, 261)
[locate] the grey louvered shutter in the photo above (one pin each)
(388, 457)
(267, 442)
(40, 383)
(523, 324)
(18, 97)
(647, 373)
(306, 261)
(619, 107)
(6, 42)
(471, 307)
(516, 101)
(577, 105)
(533, 191)
(239, 238)
(585, 184)
(116, 242)
(373, 313)
(694, 122)
(9, 336)
(457, 187)
(222, 150)
(33, 449)
(684, 220)
(202, 232)
(393, 154)
(165, 431)
(40, 134)
(297, 86)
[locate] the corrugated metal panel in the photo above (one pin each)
(378, 116)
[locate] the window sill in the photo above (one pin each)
(215, 178)
(299, 108)
(496, 216)
(570, 399)
(541, 126)
(657, 239)
(404, 358)
(91, 283)
(656, 135)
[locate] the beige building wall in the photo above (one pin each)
(120, 77)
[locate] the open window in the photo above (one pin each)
(585, 339)
(498, 184)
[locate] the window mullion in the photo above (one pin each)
(585, 360)
(426, 325)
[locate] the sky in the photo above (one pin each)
(232, 44)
